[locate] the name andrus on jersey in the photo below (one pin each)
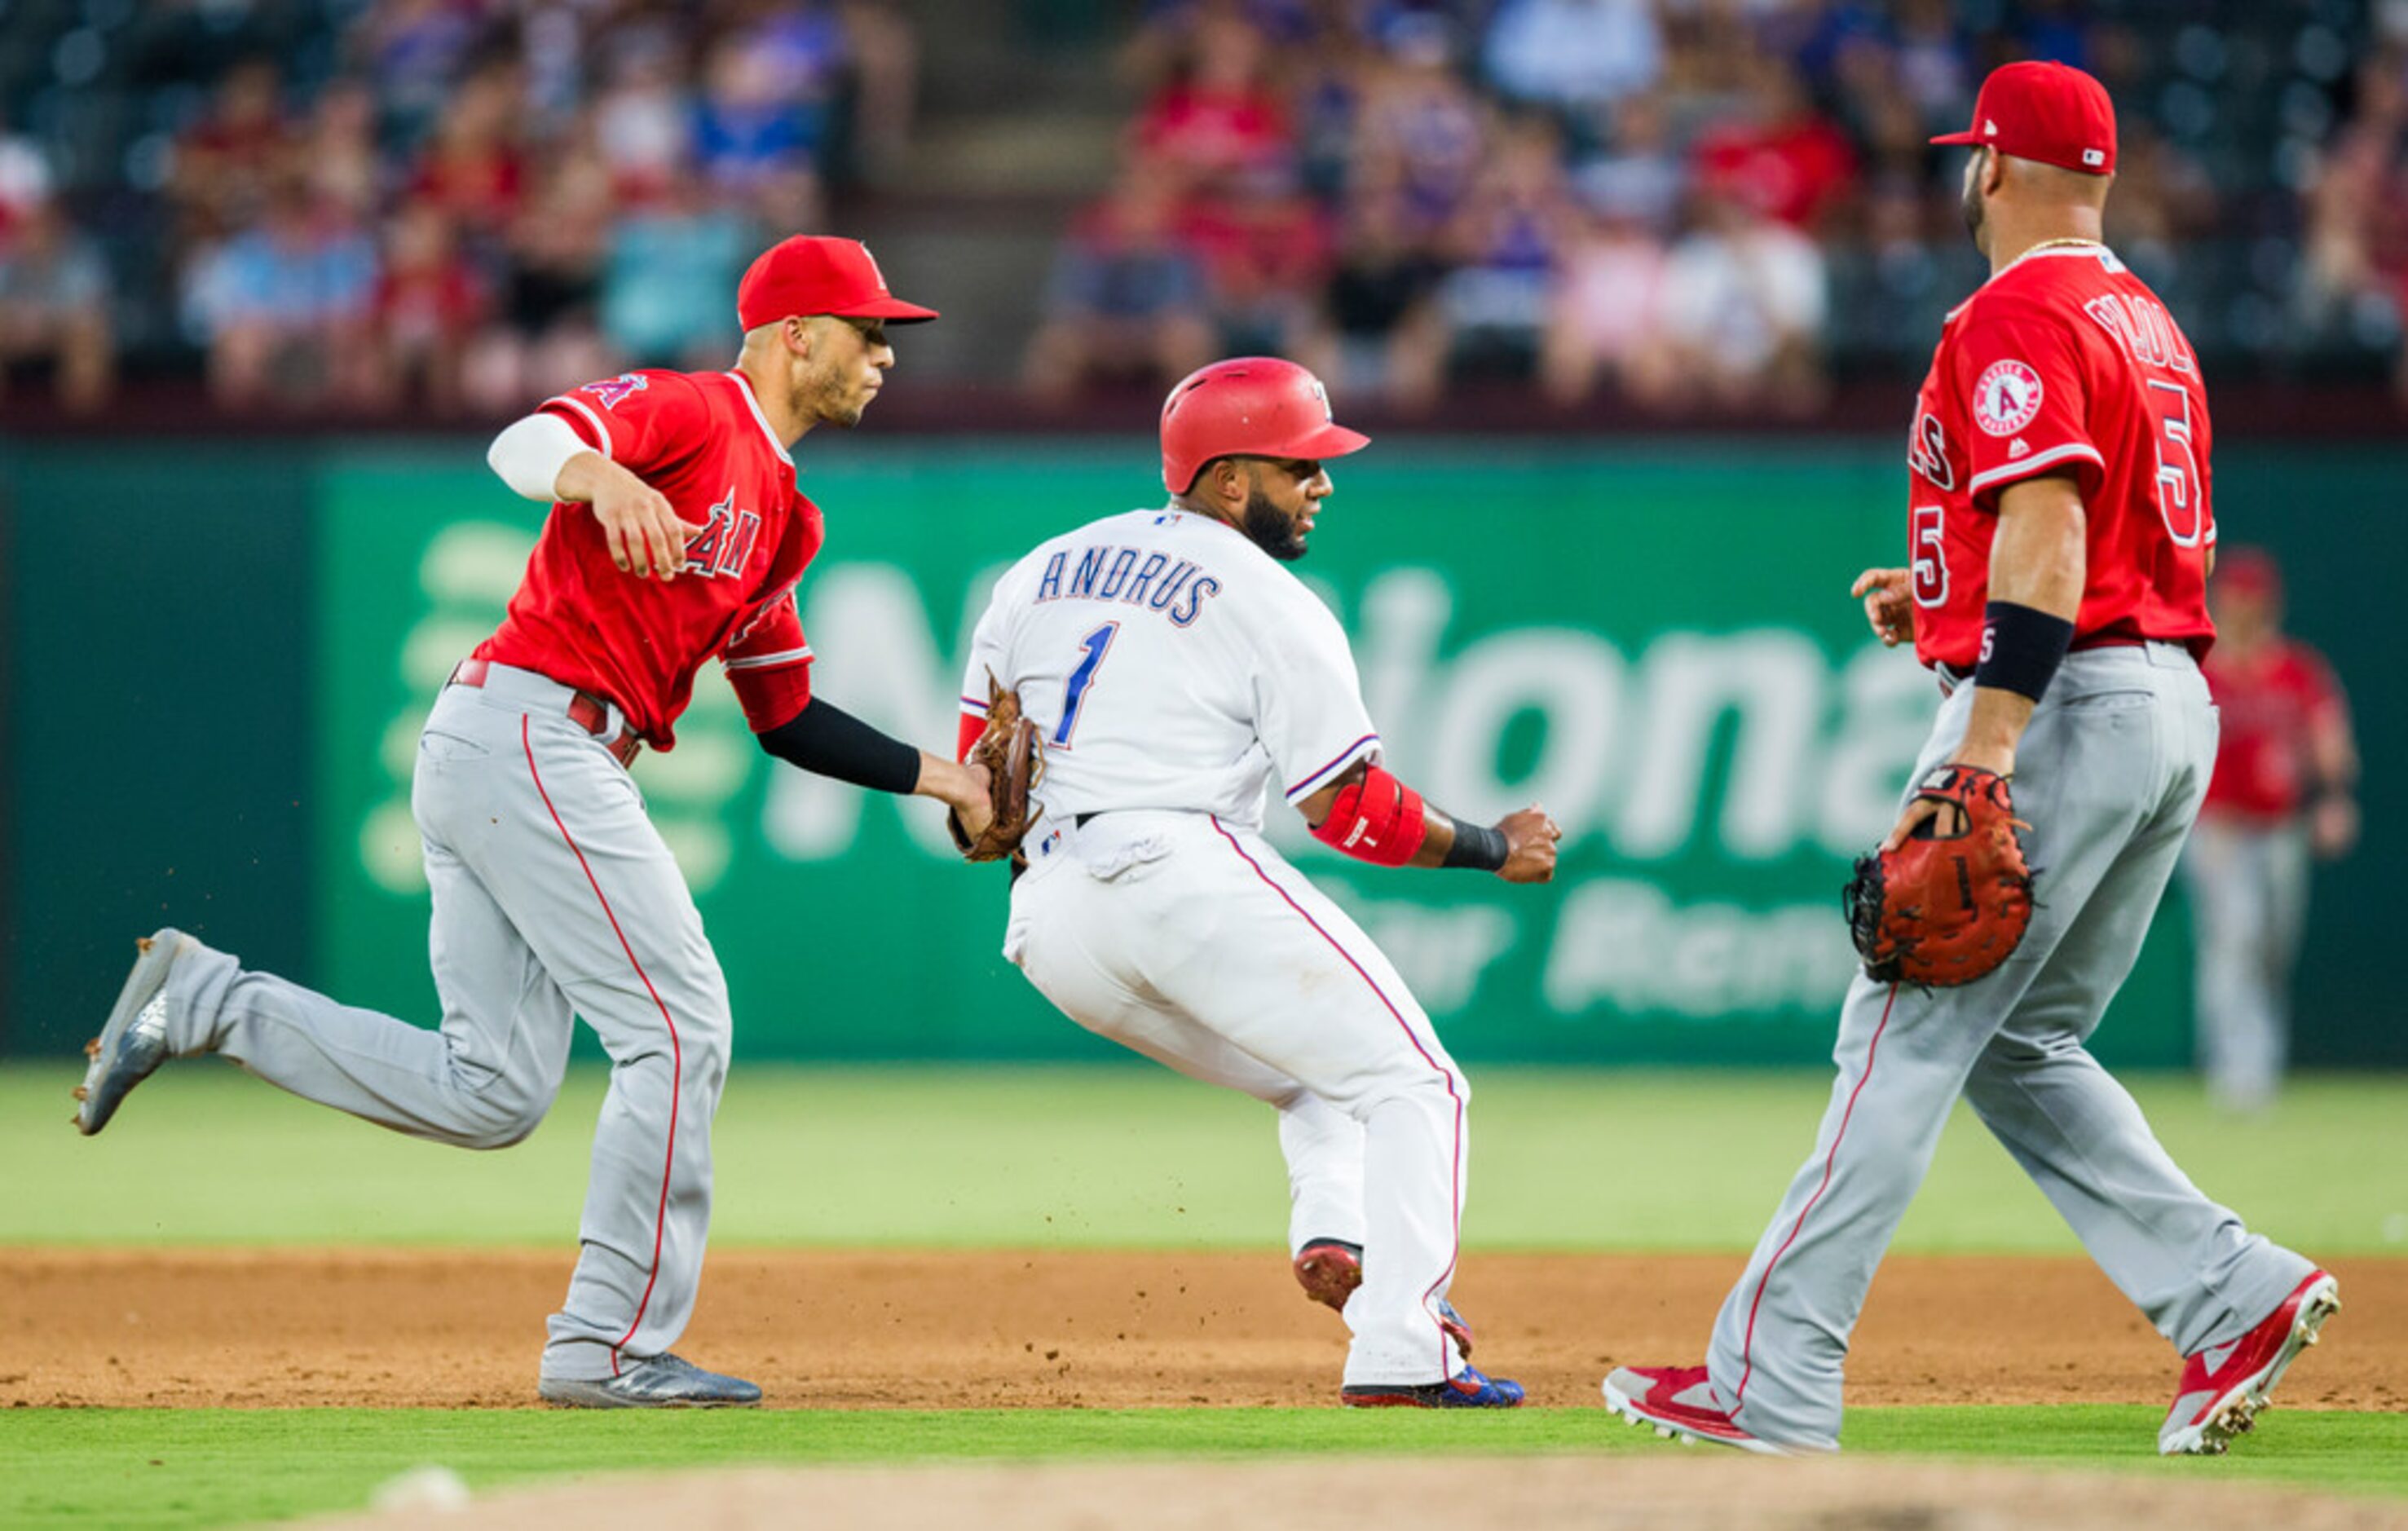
(1131, 577)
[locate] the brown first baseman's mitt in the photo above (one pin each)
(1015, 763)
(1941, 912)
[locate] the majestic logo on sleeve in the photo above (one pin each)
(2006, 398)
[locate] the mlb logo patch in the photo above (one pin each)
(2094, 156)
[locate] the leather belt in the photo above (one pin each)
(585, 709)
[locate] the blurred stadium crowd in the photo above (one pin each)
(449, 205)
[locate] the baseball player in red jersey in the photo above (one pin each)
(2286, 765)
(2060, 528)
(676, 535)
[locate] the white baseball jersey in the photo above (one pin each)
(1174, 668)
(1170, 664)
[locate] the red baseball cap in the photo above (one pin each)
(811, 274)
(2050, 112)
(2247, 571)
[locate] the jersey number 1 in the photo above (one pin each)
(1074, 696)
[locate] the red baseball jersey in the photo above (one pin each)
(2064, 360)
(701, 440)
(2273, 706)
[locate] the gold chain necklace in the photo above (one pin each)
(2064, 243)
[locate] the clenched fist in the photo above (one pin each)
(1531, 840)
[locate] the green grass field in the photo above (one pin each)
(1074, 1159)
(1123, 1157)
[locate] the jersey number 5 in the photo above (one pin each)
(1931, 569)
(1074, 694)
(2179, 499)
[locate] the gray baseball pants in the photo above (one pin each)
(2248, 886)
(553, 895)
(2110, 775)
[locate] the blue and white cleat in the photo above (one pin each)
(134, 1042)
(1468, 1388)
(664, 1382)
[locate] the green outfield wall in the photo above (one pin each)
(1655, 641)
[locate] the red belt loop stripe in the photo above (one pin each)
(585, 709)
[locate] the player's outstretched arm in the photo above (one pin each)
(1372, 816)
(827, 740)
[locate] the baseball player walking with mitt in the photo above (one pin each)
(676, 535)
(2061, 533)
(1172, 666)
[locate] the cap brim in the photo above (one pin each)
(1967, 137)
(893, 310)
(1331, 440)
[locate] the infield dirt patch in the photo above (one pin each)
(947, 1329)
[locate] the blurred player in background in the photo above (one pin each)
(1175, 667)
(2286, 767)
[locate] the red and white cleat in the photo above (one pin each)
(1680, 1404)
(2224, 1386)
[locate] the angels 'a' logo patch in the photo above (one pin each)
(2006, 398)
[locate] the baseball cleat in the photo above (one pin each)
(133, 1043)
(1468, 1388)
(1329, 1270)
(2224, 1386)
(1680, 1404)
(664, 1382)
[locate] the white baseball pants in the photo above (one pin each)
(1191, 940)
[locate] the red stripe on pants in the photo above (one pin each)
(677, 1051)
(1747, 1345)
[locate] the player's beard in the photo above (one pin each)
(1271, 528)
(826, 400)
(835, 409)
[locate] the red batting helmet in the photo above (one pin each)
(1248, 407)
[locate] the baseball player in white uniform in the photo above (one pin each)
(1174, 666)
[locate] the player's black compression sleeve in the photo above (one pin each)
(827, 740)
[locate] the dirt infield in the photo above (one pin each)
(982, 1328)
(1691, 1492)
